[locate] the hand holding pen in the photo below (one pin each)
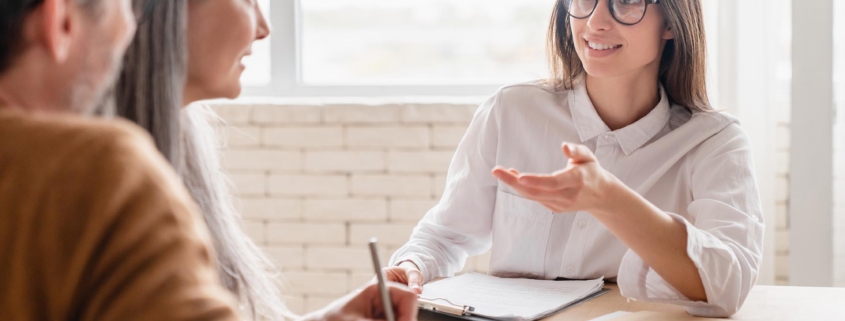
(381, 301)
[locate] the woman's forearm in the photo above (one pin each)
(656, 237)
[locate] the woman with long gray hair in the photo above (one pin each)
(152, 92)
(191, 50)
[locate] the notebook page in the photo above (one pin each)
(509, 298)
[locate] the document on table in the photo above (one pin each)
(510, 299)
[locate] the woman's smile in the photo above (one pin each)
(599, 49)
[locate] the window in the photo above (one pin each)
(382, 42)
(408, 48)
(388, 47)
(258, 72)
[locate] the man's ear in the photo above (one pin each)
(55, 25)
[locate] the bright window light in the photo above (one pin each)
(258, 72)
(389, 42)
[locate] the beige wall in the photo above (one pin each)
(315, 181)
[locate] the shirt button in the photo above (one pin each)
(607, 136)
(570, 269)
(582, 223)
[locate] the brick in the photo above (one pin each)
(303, 137)
(361, 114)
(387, 234)
(359, 280)
(271, 209)
(438, 113)
(262, 160)
(249, 184)
(385, 137)
(782, 138)
(782, 216)
(782, 241)
(344, 161)
(782, 163)
(280, 114)
(338, 258)
(384, 185)
(317, 282)
(346, 210)
(402, 210)
(233, 113)
(286, 257)
(308, 185)
(439, 186)
(448, 136)
(306, 233)
(419, 162)
(781, 189)
(295, 303)
(241, 136)
(256, 231)
(782, 266)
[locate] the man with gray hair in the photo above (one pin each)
(94, 224)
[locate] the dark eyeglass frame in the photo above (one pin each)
(612, 13)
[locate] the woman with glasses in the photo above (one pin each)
(652, 188)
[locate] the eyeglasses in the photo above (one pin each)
(626, 12)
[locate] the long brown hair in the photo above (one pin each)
(683, 65)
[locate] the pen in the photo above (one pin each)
(382, 284)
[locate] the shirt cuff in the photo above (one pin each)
(413, 258)
(639, 282)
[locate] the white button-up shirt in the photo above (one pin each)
(697, 167)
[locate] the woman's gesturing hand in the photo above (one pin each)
(582, 186)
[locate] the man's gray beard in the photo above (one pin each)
(89, 98)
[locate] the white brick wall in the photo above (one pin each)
(782, 206)
(315, 182)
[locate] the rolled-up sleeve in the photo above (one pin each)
(460, 224)
(724, 226)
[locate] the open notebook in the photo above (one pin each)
(509, 299)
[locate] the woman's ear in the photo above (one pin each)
(668, 34)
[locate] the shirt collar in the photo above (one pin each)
(589, 124)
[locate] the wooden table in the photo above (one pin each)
(763, 303)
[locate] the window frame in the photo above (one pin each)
(286, 76)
